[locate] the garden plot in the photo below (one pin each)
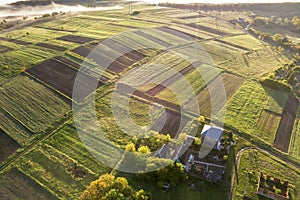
(61, 174)
(231, 84)
(174, 123)
(15, 41)
(246, 41)
(34, 35)
(76, 39)
(7, 145)
(184, 34)
(266, 126)
(50, 46)
(104, 56)
(15, 61)
(219, 25)
(16, 185)
(14, 128)
(61, 77)
(207, 29)
(253, 64)
(194, 78)
(32, 104)
(284, 132)
(243, 110)
(4, 49)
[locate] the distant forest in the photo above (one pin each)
(263, 9)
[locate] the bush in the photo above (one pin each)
(135, 13)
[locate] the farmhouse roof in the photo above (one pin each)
(212, 132)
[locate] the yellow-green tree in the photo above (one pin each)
(144, 150)
(130, 148)
(107, 187)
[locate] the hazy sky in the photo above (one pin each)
(192, 1)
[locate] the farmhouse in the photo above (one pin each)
(272, 187)
(211, 136)
(209, 166)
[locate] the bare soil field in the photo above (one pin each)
(76, 39)
(116, 66)
(231, 84)
(173, 124)
(62, 78)
(50, 46)
(15, 41)
(7, 145)
(284, 131)
(85, 70)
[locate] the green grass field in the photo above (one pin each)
(257, 162)
(31, 103)
(251, 65)
(244, 110)
(246, 41)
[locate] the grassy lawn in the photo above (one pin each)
(31, 103)
(256, 162)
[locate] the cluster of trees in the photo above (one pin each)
(284, 78)
(152, 139)
(285, 9)
(108, 187)
(290, 23)
(172, 174)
